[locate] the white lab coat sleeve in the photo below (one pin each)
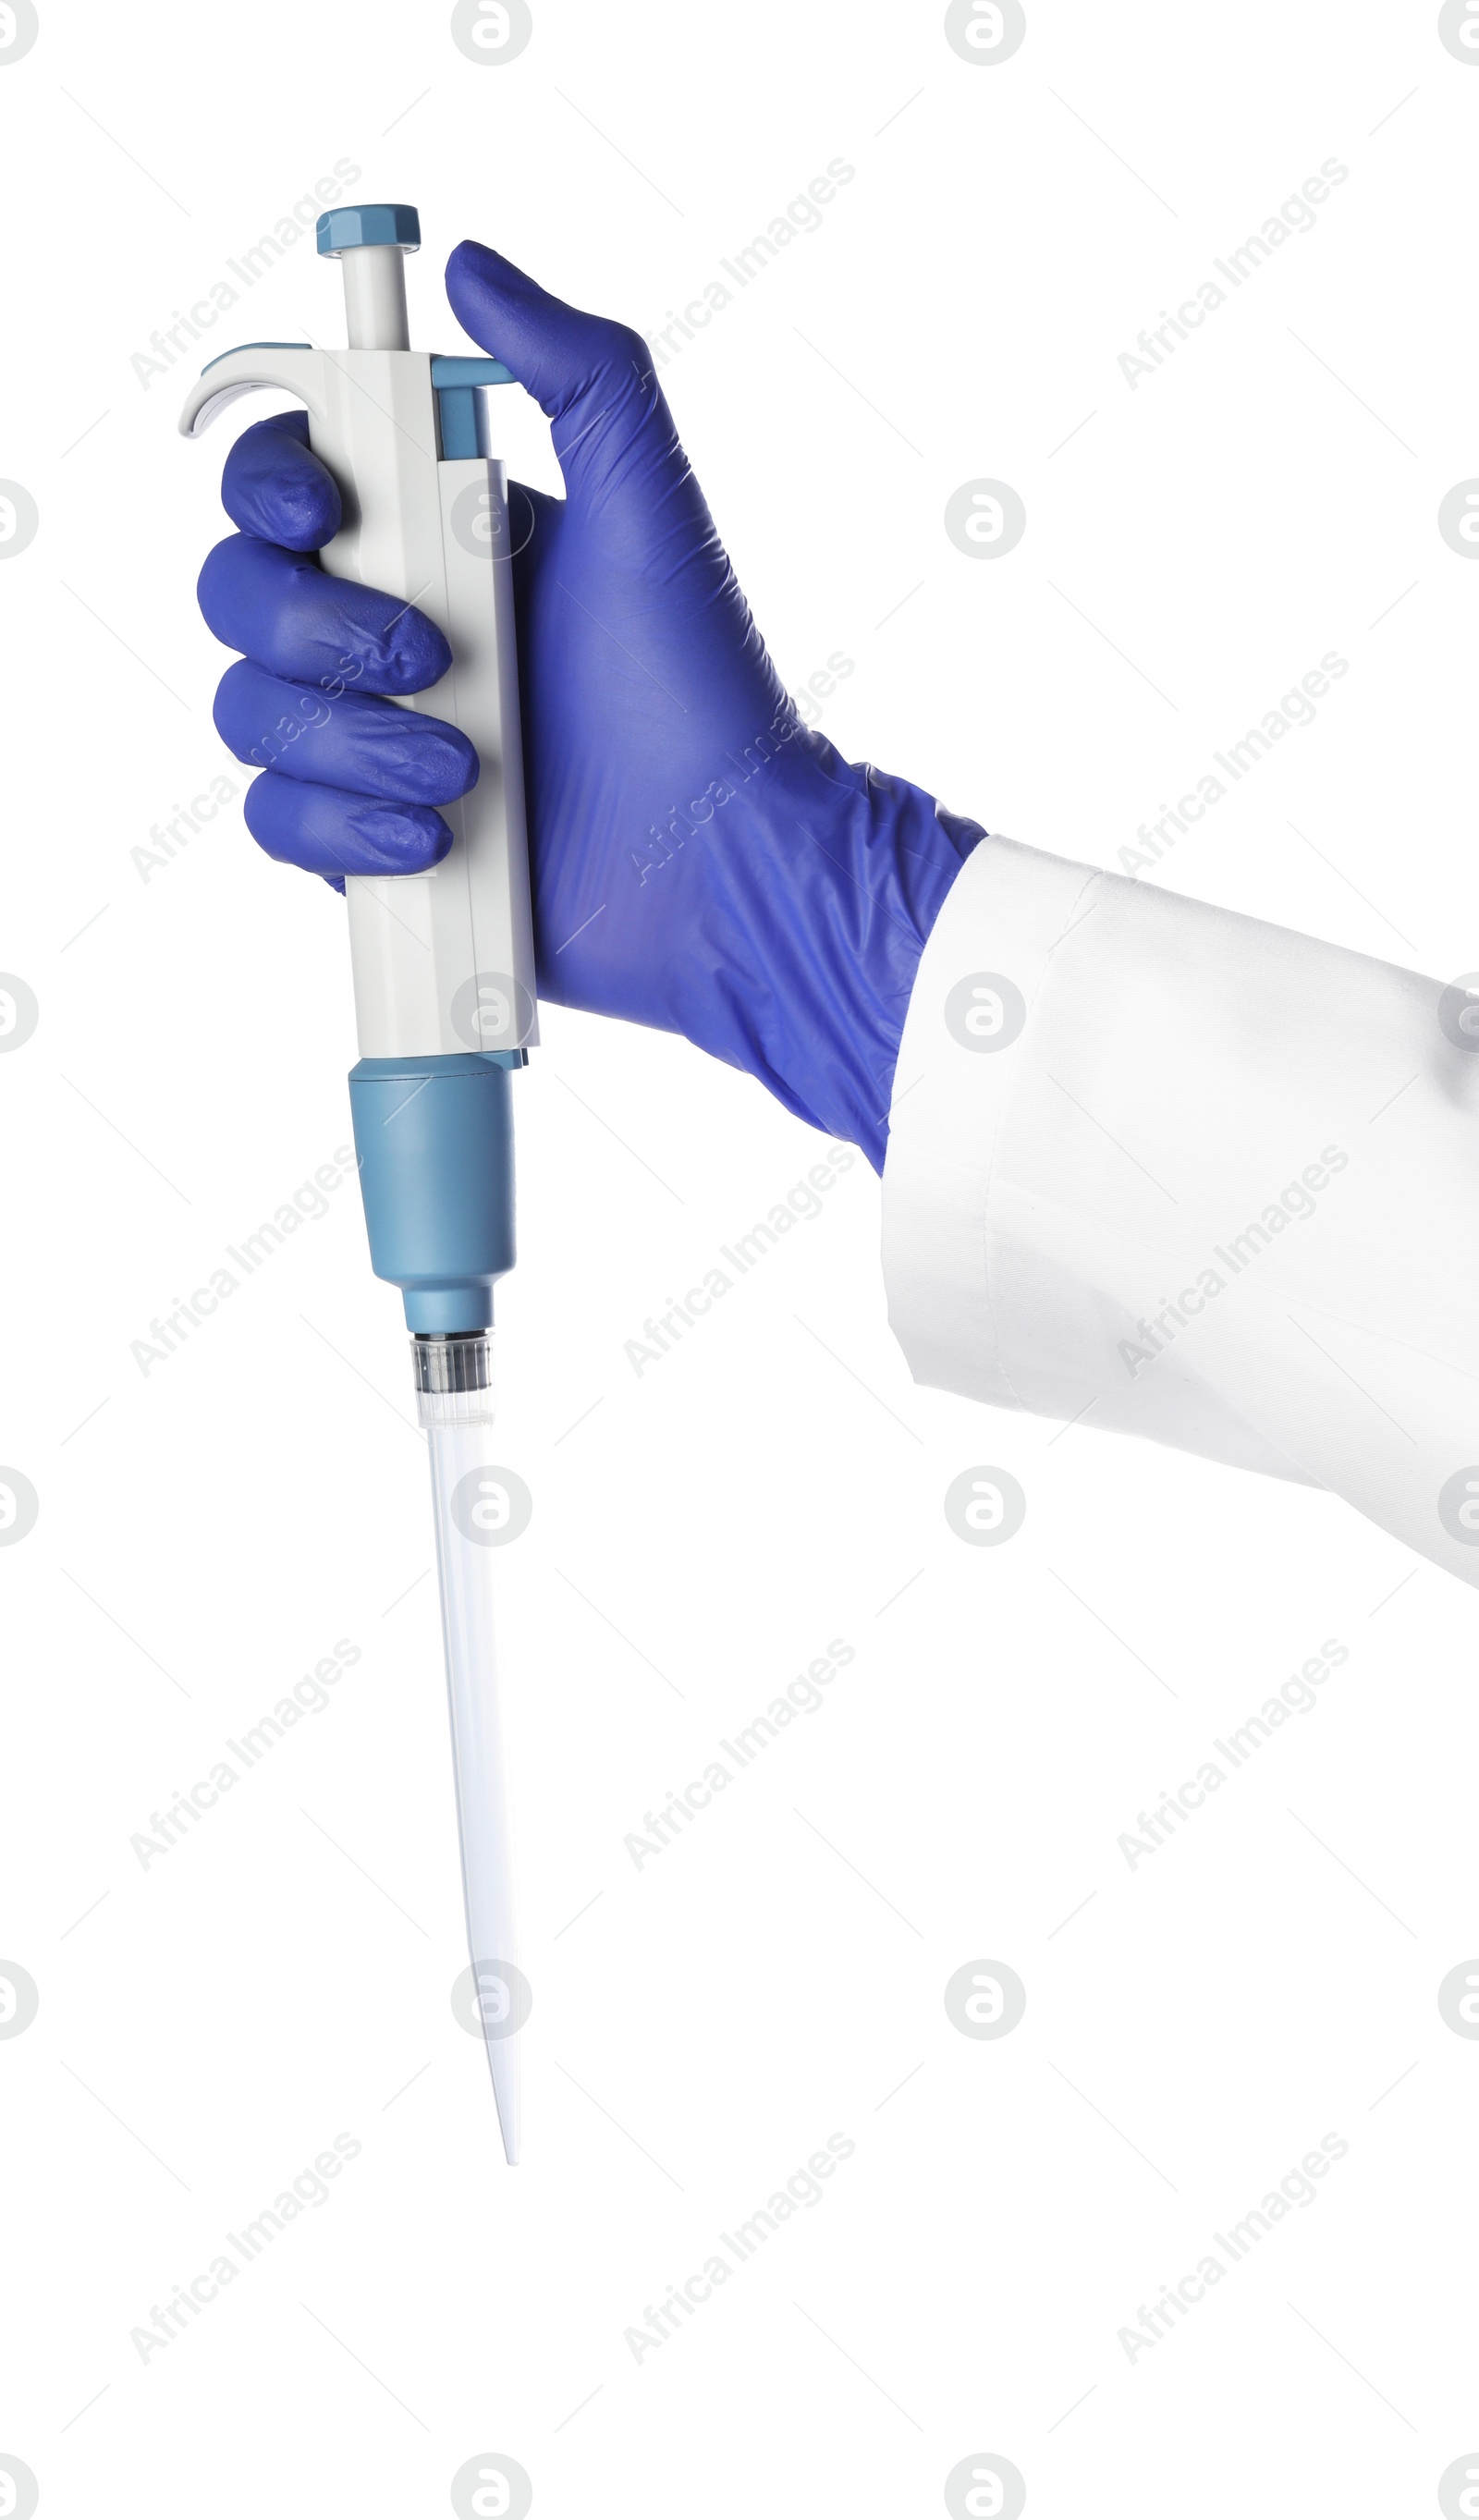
(1177, 1174)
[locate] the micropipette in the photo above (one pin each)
(443, 977)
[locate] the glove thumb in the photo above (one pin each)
(593, 379)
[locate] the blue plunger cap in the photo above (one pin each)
(371, 223)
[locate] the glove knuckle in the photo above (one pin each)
(620, 346)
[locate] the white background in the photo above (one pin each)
(206, 1532)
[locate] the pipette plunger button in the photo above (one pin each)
(369, 223)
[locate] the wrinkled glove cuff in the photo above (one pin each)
(820, 904)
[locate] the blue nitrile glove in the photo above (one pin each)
(700, 860)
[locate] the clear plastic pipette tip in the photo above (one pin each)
(472, 1511)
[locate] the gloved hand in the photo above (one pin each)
(700, 860)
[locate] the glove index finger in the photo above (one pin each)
(274, 485)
